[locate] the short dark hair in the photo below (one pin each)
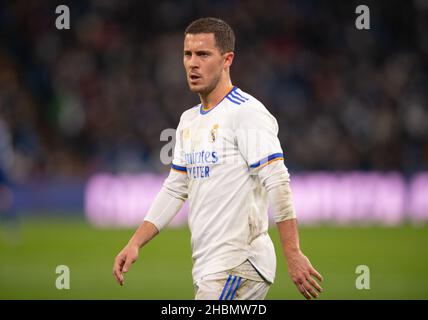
(223, 33)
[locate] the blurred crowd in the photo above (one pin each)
(97, 96)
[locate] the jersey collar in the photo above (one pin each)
(201, 109)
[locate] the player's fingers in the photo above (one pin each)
(310, 290)
(118, 263)
(117, 269)
(303, 291)
(127, 264)
(119, 277)
(316, 274)
(314, 284)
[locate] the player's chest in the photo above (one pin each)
(208, 134)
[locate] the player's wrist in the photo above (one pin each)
(291, 250)
(135, 243)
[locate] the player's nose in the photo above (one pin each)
(193, 62)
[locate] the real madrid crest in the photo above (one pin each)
(213, 133)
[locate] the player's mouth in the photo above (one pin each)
(194, 77)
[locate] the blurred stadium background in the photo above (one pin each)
(81, 112)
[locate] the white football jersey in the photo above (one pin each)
(220, 151)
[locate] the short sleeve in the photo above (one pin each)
(256, 133)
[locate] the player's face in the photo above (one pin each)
(203, 61)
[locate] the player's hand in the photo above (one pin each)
(302, 274)
(123, 262)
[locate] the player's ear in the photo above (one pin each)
(228, 58)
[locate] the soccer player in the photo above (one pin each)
(228, 162)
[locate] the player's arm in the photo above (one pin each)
(276, 180)
(129, 254)
(166, 205)
(301, 271)
(257, 138)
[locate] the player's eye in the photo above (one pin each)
(203, 54)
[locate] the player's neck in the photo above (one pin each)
(215, 96)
